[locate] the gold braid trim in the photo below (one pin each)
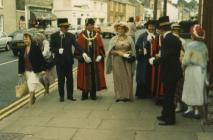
(89, 39)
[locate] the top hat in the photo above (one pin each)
(62, 22)
(151, 22)
(89, 21)
(164, 21)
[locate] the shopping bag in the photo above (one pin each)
(21, 88)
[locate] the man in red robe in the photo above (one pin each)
(90, 75)
(156, 84)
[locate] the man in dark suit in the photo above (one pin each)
(170, 68)
(61, 45)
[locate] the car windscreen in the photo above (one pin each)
(18, 36)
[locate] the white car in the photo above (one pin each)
(75, 31)
(5, 41)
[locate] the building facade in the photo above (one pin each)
(172, 12)
(116, 11)
(130, 9)
(74, 10)
(99, 11)
(139, 10)
(38, 13)
(7, 16)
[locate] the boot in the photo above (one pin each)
(32, 98)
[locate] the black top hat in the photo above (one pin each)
(164, 21)
(89, 21)
(151, 22)
(62, 22)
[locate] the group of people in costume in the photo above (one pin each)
(165, 68)
(170, 70)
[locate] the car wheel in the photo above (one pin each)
(7, 47)
(103, 35)
(15, 52)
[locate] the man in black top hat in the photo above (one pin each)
(170, 68)
(61, 45)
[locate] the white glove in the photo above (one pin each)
(61, 50)
(144, 51)
(151, 60)
(87, 59)
(126, 55)
(98, 58)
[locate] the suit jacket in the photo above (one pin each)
(57, 42)
(36, 59)
(170, 66)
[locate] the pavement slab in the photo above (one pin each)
(103, 119)
(85, 134)
(165, 136)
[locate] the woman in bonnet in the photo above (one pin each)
(195, 65)
(121, 47)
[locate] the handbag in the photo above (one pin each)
(130, 59)
(21, 88)
(50, 62)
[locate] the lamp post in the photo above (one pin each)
(155, 9)
(165, 8)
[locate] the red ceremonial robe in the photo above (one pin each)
(156, 84)
(84, 69)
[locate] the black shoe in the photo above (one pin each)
(188, 115)
(61, 99)
(84, 98)
(71, 99)
(117, 100)
(160, 118)
(167, 123)
(93, 98)
(126, 100)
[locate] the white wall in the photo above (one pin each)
(80, 9)
(172, 12)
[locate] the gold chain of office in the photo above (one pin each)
(88, 38)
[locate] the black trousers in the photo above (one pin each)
(65, 72)
(93, 87)
(168, 111)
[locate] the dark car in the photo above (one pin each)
(17, 40)
(185, 28)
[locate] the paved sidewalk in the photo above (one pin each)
(103, 119)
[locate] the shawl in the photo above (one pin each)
(111, 46)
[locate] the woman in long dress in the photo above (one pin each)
(195, 64)
(121, 47)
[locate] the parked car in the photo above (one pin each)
(75, 30)
(5, 41)
(107, 31)
(185, 28)
(17, 40)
